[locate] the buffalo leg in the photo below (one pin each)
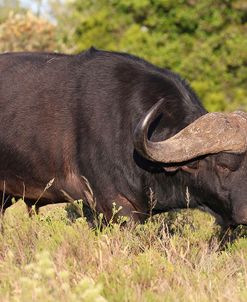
(124, 207)
(227, 235)
(29, 204)
(5, 203)
(90, 215)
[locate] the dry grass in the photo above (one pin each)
(173, 258)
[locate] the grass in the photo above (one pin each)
(175, 257)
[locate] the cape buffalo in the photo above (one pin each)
(110, 127)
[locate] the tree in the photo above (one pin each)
(203, 40)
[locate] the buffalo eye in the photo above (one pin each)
(223, 168)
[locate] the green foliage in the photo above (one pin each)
(205, 41)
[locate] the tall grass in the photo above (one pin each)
(174, 257)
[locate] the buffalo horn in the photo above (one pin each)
(209, 134)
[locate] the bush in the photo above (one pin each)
(26, 32)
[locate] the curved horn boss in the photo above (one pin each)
(211, 133)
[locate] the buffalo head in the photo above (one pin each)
(210, 156)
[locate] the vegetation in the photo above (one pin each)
(175, 257)
(171, 258)
(203, 40)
